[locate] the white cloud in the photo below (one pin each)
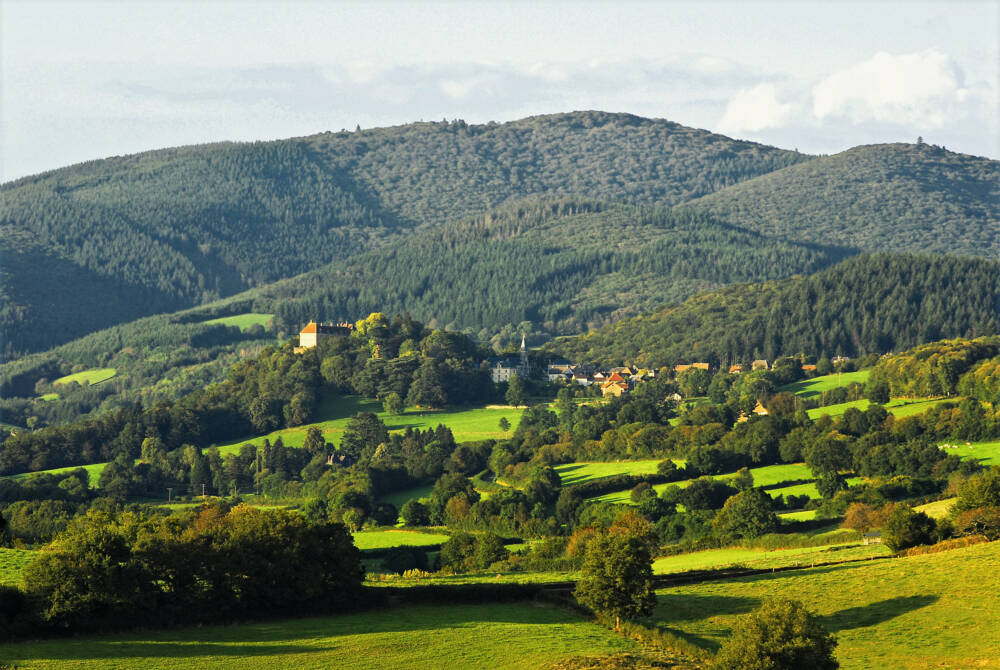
(754, 109)
(919, 88)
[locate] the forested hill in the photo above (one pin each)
(178, 227)
(544, 266)
(900, 197)
(867, 304)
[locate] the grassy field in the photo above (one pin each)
(400, 498)
(937, 509)
(94, 472)
(93, 376)
(383, 539)
(495, 636)
(815, 386)
(12, 564)
(759, 558)
(579, 473)
(927, 611)
(243, 321)
(808, 489)
(466, 424)
(987, 453)
(898, 407)
(769, 475)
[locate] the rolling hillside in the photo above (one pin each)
(178, 227)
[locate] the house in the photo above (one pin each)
(839, 359)
(759, 364)
(615, 389)
(760, 410)
(809, 367)
(735, 369)
(560, 369)
(314, 333)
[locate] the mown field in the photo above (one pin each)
(937, 509)
(242, 321)
(494, 636)
(12, 564)
(987, 453)
(929, 611)
(809, 388)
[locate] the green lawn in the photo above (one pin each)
(987, 453)
(760, 558)
(243, 321)
(383, 539)
(898, 407)
(817, 385)
(93, 376)
(494, 636)
(929, 611)
(808, 489)
(801, 515)
(12, 564)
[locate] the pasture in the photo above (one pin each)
(400, 498)
(808, 388)
(493, 636)
(581, 472)
(93, 472)
(12, 564)
(938, 509)
(241, 321)
(913, 613)
(987, 453)
(385, 539)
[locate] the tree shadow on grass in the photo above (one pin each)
(671, 608)
(875, 613)
(313, 635)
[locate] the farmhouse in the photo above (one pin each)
(759, 364)
(313, 333)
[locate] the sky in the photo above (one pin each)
(84, 80)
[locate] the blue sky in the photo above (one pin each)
(84, 80)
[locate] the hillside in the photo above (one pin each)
(178, 227)
(867, 304)
(899, 197)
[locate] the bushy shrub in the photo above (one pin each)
(781, 635)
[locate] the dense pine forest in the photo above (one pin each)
(868, 304)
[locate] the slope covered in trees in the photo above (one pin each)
(898, 197)
(187, 225)
(867, 304)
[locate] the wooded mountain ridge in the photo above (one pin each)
(107, 241)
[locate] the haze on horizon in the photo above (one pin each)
(85, 80)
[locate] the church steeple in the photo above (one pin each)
(524, 351)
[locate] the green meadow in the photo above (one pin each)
(987, 453)
(915, 613)
(813, 387)
(898, 407)
(760, 558)
(581, 472)
(768, 475)
(92, 376)
(384, 539)
(12, 564)
(495, 636)
(242, 321)
(937, 509)
(94, 471)
(467, 424)
(400, 498)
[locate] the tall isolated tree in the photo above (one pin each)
(617, 578)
